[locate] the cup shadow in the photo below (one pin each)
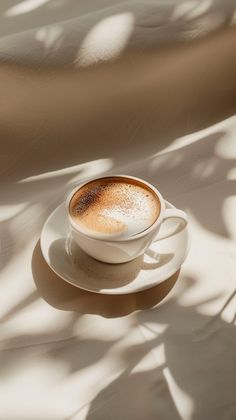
(62, 295)
(70, 259)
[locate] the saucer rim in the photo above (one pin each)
(113, 291)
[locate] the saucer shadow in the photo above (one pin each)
(62, 295)
(70, 260)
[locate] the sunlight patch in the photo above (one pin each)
(183, 9)
(25, 7)
(191, 9)
(231, 175)
(200, 9)
(205, 167)
(226, 147)
(106, 40)
(183, 402)
(229, 215)
(9, 211)
(78, 172)
(49, 36)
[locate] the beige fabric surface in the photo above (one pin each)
(67, 353)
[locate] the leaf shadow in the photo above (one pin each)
(203, 370)
(194, 177)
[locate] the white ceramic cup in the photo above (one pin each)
(126, 249)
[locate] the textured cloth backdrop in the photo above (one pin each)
(67, 353)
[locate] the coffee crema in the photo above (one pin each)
(114, 207)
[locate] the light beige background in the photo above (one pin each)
(161, 106)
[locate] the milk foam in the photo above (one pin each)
(114, 207)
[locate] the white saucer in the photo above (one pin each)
(68, 261)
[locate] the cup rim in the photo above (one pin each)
(106, 238)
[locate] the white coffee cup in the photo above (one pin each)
(126, 249)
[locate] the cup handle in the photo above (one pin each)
(172, 214)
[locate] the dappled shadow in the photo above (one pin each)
(6, 246)
(65, 346)
(135, 395)
(22, 305)
(21, 15)
(53, 109)
(68, 33)
(195, 371)
(64, 296)
(27, 204)
(33, 200)
(130, 121)
(194, 177)
(198, 373)
(200, 355)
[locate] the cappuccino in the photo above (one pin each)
(114, 207)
